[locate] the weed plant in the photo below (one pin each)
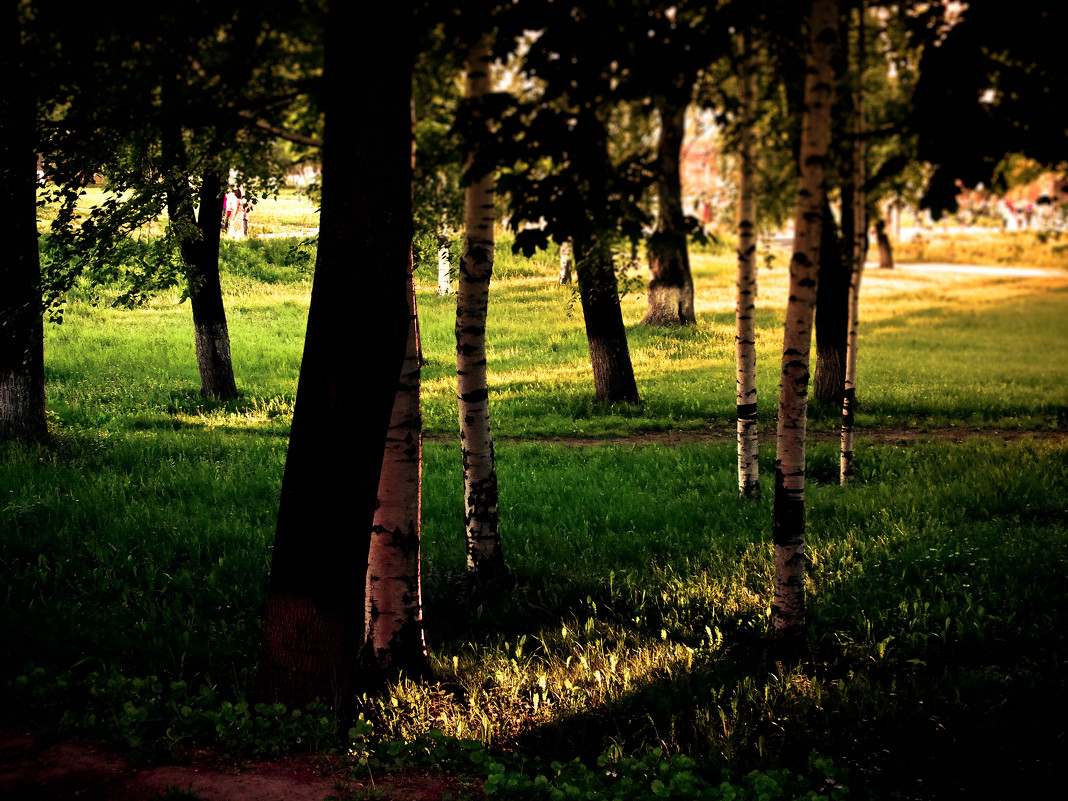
(135, 549)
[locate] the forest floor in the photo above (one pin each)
(32, 769)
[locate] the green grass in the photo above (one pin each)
(134, 551)
(1047, 249)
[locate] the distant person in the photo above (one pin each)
(236, 214)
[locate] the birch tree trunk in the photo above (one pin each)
(394, 609)
(745, 307)
(22, 383)
(832, 312)
(485, 558)
(567, 261)
(860, 251)
(444, 262)
(788, 606)
(315, 622)
(670, 292)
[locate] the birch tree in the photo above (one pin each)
(745, 306)
(485, 557)
(860, 250)
(394, 640)
(788, 606)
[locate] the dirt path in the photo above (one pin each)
(90, 772)
(895, 435)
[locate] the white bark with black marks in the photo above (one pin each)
(788, 606)
(485, 556)
(394, 605)
(860, 251)
(745, 307)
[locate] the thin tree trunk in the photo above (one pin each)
(670, 292)
(22, 384)
(832, 314)
(199, 243)
(788, 606)
(745, 308)
(613, 373)
(567, 261)
(315, 619)
(212, 335)
(860, 251)
(444, 262)
(394, 611)
(485, 557)
(886, 252)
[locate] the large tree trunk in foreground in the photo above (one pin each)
(670, 293)
(860, 251)
(745, 307)
(613, 373)
(22, 393)
(394, 609)
(832, 313)
(315, 618)
(485, 557)
(788, 606)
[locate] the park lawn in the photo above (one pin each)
(135, 550)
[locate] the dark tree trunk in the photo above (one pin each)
(22, 396)
(670, 292)
(832, 314)
(858, 252)
(886, 252)
(211, 334)
(314, 626)
(613, 374)
(199, 244)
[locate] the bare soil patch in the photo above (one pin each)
(88, 771)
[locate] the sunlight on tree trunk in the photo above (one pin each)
(788, 606)
(394, 642)
(860, 251)
(485, 558)
(444, 262)
(567, 261)
(745, 307)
